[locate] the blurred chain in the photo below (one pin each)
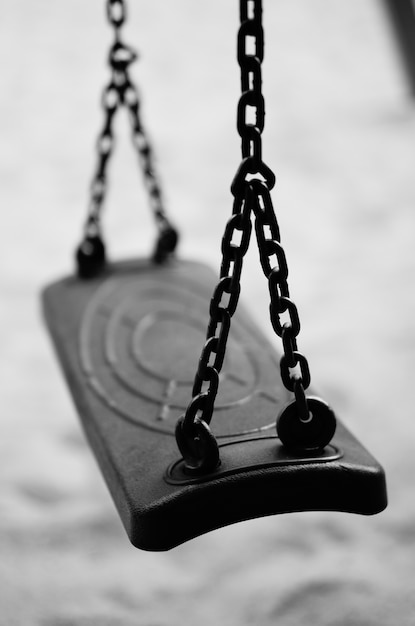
(251, 190)
(119, 92)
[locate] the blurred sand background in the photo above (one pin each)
(340, 134)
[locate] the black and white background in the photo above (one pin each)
(340, 135)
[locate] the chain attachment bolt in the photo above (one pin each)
(198, 446)
(306, 433)
(90, 256)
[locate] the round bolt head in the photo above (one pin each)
(312, 434)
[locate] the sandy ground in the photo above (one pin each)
(340, 134)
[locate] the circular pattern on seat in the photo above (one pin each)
(140, 341)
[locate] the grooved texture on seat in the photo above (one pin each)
(129, 343)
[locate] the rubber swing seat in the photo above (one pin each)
(128, 342)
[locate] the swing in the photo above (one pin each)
(189, 446)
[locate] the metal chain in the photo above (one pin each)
(251, 190)
(119, 92)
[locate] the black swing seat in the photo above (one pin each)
(129, 342)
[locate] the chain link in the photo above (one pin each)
(251, 188)
(119, 92)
